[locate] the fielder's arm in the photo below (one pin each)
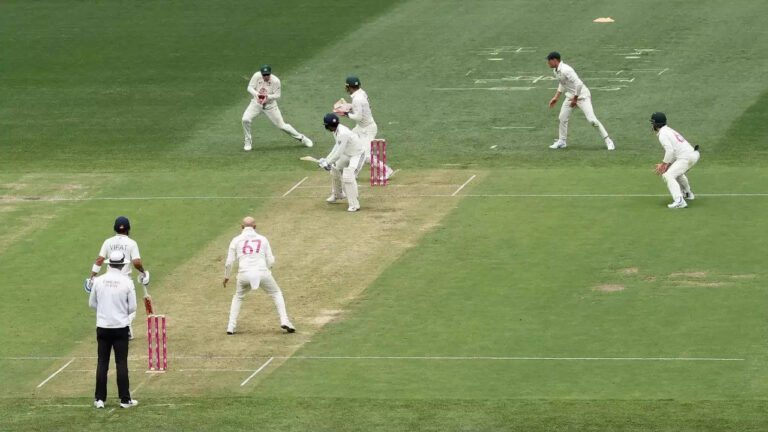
(554, 99)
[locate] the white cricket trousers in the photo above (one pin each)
(252, 281)
(677, 182)
(586, 106)
(273, 114)
(344, 177)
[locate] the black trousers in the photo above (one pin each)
(108, 339)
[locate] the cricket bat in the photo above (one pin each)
(147, 301)
(309, 159)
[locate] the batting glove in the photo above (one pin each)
(322, 163)
(88, 285)
(143, 278)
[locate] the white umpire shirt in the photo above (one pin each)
(124, 244)
(272, 87)
(361, 109)
(675, 146)
(114, 298)
(569, 82)
(252, 251)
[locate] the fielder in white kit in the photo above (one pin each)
(365, 126)
(265, 89)
(576, 94)
(254, 260)
(344, 161)
(679, 157)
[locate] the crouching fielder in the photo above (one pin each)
(344, 162)
(679, 157)
(254, 259)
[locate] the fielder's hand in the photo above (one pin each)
(552, 102)
(574, 101)
(661, 168)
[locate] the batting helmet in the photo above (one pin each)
(122, 224)
(330, 120)
(658, 119)
(353, 81)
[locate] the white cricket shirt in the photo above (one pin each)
(124, 244)
(114, 298)
(272, 88)
(347, 144)
(569, 82)
(361, 109)
(675, 146)
(252, 252)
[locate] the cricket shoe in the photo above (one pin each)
(689, 196)
(230, 332)
(287, 326)
(98, 403)
(334, 199)
(558, 144)
(390, 172)
(678, 204)
(306, 141)
(247, 146)
(129, 404)
(353, 208)
(609, 144)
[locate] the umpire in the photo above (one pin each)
(114, 298)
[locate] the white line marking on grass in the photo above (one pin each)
(665, 69)
(257, 371)
(482, 88)
(495, 59)
(56, 373)
(511, 127)
(465, 183)
(215, 370)
(295, 186)
(468, 72)
(516, 358)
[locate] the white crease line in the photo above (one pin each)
(295, 186)
(465, 183)
(56, 373)
(257, 371)
(665, 69)
(468, 72)
(215, 370)
(512, 127)
(482, 88)
(518, 358)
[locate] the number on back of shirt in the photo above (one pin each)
(248, 247)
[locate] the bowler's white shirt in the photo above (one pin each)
(114, 298)
(569, 82)
(272, 87)
(361, 109)
(124, 244)
(252, 252)
(675, 146)
(346, 143)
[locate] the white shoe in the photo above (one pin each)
(609, 144)
(287, 326)
(98, 403)
(131, 403)
(679, 204)
(558, 145)
(130, 332)
(353, 208)
(333, 198)
(389, 173)
(689, 196)
(247, 147)
(306, 141)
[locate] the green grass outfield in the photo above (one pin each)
(493, 285)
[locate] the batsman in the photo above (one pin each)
(344, 162)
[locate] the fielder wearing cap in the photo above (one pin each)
(679, 157)
(253, 254)
(365, 126)
(120, 242)
(113, 296)
(265, 89)
(576, 95)
(344, 161)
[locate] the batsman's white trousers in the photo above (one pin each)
(344, 177)
(273, 114)
(586, 106)
(677, 182)
(250, 281)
